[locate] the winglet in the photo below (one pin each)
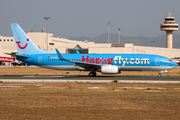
(59, 55)
(77, 51)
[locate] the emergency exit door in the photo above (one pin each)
(39, 60)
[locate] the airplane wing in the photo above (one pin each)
(80, 64)
(15, 55)
(86, 65)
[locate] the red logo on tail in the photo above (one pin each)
(20, 46)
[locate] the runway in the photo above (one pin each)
(72, 78)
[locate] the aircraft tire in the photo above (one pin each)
(92, 74)
(159, 75)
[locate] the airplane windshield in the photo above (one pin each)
(167, 60)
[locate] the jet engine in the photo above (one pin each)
(109, 69)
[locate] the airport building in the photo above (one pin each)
(7, 45)
(49, 42)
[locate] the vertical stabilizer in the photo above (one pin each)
(23, 43)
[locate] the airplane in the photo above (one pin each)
(104, 63)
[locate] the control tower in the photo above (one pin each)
(169, 26)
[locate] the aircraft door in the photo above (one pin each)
(157, 61)
(39, 60)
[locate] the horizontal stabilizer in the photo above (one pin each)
(15, 55)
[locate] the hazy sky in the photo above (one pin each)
(71, 18)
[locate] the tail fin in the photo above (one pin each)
(23, 43)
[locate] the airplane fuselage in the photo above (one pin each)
(125, 62)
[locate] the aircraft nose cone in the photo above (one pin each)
(174, 64)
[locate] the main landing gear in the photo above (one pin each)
(92, 74)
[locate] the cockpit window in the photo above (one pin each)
(166, 60)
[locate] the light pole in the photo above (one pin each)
(108, 31)
(119, 35)
(47, 18)
(152, 43)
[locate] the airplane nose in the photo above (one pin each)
(174, 64)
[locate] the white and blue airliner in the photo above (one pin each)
(104, 63)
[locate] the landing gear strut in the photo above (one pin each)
(162, 72)
(92, 74)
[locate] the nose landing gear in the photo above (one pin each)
(162, 72)
(159, 75)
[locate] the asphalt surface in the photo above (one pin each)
(71, 78)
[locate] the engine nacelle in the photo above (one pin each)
(109, 69)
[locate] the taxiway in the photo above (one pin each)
(71, 78)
